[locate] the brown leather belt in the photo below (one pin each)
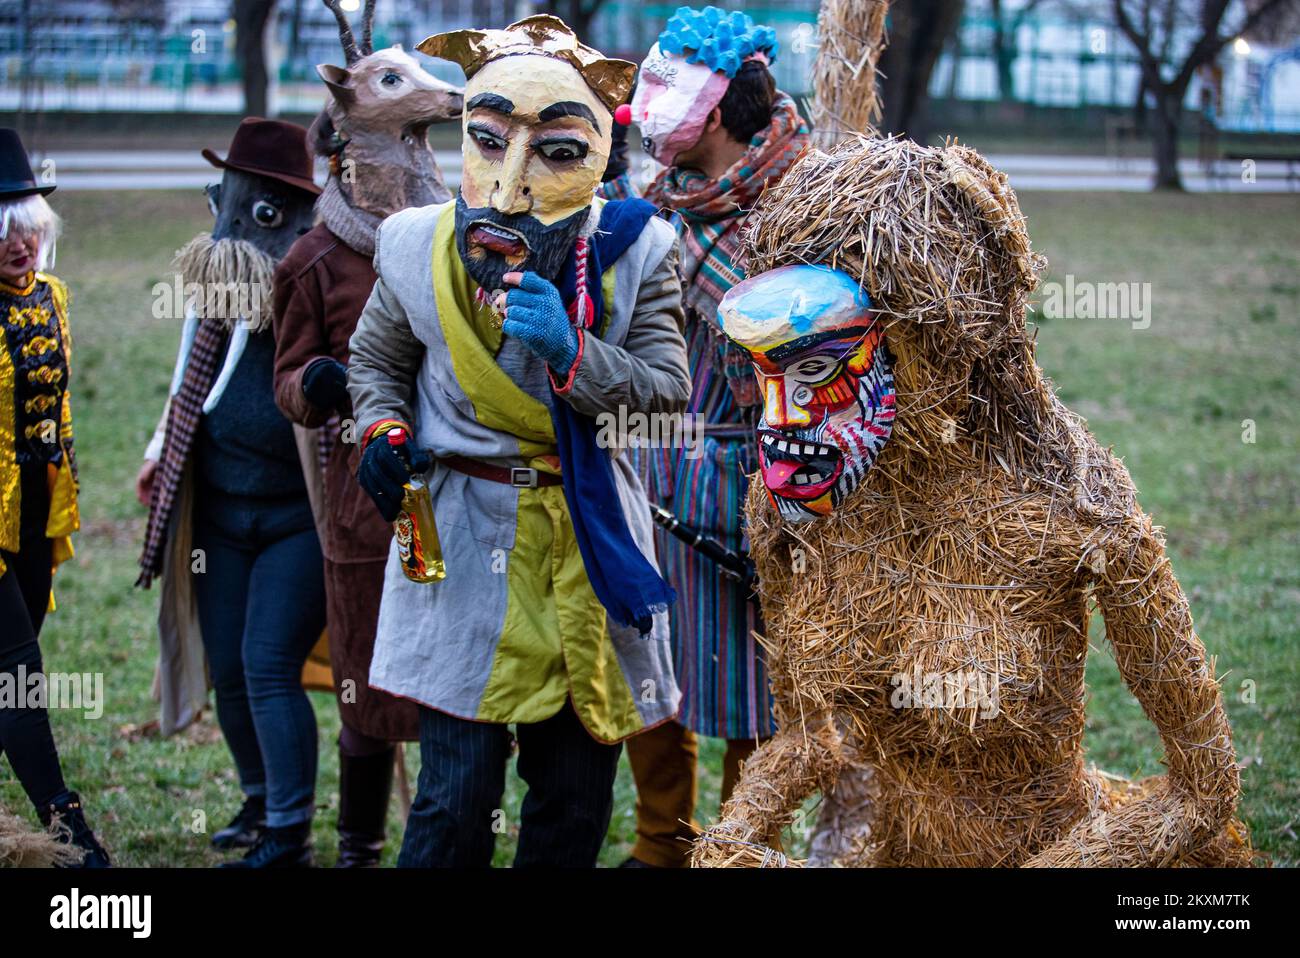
(522, 477)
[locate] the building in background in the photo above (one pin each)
(178, 55)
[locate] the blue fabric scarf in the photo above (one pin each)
(629, 587)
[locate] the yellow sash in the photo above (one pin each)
(473, 341)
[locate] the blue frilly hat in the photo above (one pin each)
(717, 39)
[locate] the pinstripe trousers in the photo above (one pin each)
(457, 814)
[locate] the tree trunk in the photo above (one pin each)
(1140, 106)
(918, 31)
(251, 17)
(1164, 136)
(1006, 76)
(578, 14)
(1004, 55)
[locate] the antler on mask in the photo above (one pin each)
(367, 23)
(350, 51)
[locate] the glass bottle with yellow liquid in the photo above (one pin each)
(417, 534)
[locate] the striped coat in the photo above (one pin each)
(719, 664)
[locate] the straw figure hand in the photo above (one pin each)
(775, 779)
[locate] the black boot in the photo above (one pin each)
(246, 827)
(364, 785)
(278, 848)
(71, 829)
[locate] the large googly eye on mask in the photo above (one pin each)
(562, 151)
(266, 214)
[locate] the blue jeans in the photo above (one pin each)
(457, 813)
(261, 604)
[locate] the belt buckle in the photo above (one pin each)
(523, 477)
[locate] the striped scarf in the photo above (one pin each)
(182, 423)
(712, 213)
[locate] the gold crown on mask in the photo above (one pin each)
(609, 79)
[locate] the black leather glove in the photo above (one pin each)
(325, 384)
(383, 473)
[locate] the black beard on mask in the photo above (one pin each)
(521, 243)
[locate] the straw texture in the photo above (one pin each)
(24, 847)
(973, 552)
(851, 37)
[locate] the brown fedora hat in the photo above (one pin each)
(271, 148)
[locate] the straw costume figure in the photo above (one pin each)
(931, 533)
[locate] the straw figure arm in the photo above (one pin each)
(799, 760)
(1149, 626)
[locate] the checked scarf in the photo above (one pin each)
(183, 417)
(712, 213)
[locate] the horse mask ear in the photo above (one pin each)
(339, 82)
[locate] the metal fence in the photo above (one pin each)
(59, 55)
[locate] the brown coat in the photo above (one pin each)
(321, 286)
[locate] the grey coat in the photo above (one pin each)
(470, 645)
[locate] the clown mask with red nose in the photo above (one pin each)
(687, 73)
(826, 379)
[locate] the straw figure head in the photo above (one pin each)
(935, 621)
(824, 375)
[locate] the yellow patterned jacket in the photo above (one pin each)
(35, 344)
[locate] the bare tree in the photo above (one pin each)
(251, 18)
(918, 32)
(1154, 28)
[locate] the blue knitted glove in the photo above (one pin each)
(536, 316)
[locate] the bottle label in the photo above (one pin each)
(404, 530)
(417, 536)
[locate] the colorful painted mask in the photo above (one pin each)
(826, 378)
(687, 73)
(538, 121)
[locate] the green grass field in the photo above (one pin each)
(1222, 347)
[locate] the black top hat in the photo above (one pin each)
(16, 177)
(271, 148)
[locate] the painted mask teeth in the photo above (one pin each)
(502, 233)
(796, 448)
